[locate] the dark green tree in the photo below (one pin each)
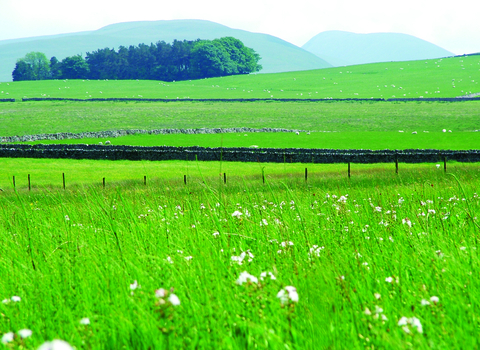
(210, 59)
(74, 67)
(35, 66)
(55, 65)
(22, 71)
(245, 58)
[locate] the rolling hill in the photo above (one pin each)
(277, 54)
(341, 48)
(436, 78)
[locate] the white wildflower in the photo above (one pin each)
(85, 321)
(245, 277)
(237, 213)
(413, 321)
(287, 293)
(377, 295)
(424, 302)
(16, 299)
(173, 299)
(389, 279)
(134, 285)
(24, 333)
(7, 337)
(264, 275)
(160, 293)
(367, 311)
(434, 299)
(55, 344)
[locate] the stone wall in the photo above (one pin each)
(263, 155)
(117, 133)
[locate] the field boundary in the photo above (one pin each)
(261, 155)
(120, 133)
(7, 100)
(433, 99)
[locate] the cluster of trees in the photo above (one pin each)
(179, 60)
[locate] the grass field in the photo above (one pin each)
(330, 140)
(380, 261)
(47, 173)
(448, 77)
(377, 261)
(366, 125)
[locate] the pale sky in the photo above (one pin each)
(454, 26)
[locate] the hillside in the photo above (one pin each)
(448, 77)
(277, 54)
(341, 48)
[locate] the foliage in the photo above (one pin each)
(55, 68)
(74, 67)
(34, 66)
(180, 60)
(380, 261)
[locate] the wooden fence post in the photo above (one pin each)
(63, 175)
(145, 180)
(445, 164)
(396, 165)
(306, 174)
(103, 182)
(14, 181)
(29, 186)
(348, 169)
(225, 178)
(185, 179)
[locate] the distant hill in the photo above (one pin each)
(277, 54)
(341, 48)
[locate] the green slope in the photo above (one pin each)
(277, 55)
(341, 48)
(449, 77)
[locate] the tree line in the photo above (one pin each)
(180, 60)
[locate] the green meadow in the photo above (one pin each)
(447, 77)
(49, 117)
(378, 261)
(267, 260)
(330, 140)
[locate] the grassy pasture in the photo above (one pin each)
(330, 140)
(378, 261)
(47, 173)
(50, 117)
(362, 254)
(448, 77)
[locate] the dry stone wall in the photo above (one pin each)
(262, 155)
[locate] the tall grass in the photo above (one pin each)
(361, 254)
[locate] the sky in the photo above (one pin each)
(455, 27)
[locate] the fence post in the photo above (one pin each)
(63, 175)
(396, 165)
(103, 182)
(14, 181)
(29, 187)
(306, 174)
(225, 178)
(185, 179)
(145, 180)
(348, 169)
(445, 164)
